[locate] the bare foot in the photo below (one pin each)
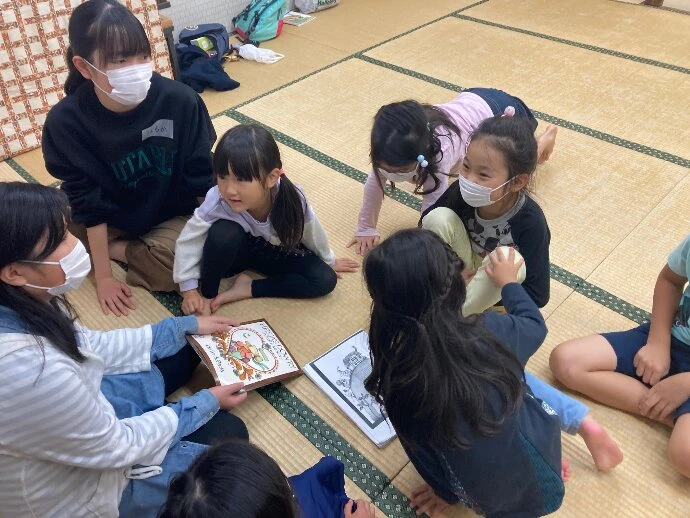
(117, 250)
(241, 289)
(565, 470)
(604, 450)
(545, 143)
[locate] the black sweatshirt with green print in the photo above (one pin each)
(131, 170)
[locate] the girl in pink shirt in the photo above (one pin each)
(424, 145)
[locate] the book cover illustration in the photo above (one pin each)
(341, 373)
(251, 353)
(296, 18)
(354, 370)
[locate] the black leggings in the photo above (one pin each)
(176, 371)
(229, 250)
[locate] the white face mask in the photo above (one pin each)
(76, 265)
(130, 85)
(399, 177)
(476, 195)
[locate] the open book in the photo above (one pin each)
(297, 18)
(340, 373)
(250, 353)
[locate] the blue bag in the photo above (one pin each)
(216, 32)
(261, 20)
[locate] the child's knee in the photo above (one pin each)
(224, 235)
(505, 250)
(679, 446)
(323, 281)
(441, 221)
(564, 364)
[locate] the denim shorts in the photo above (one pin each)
(626, 344)
(498, 101)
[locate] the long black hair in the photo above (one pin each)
(105, 26)
(404, 130)
(513, 138)
(233, 478)
(251, 153)
(430, 364)
(31, 216)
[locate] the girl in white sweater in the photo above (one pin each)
(255, 218)
(85, 430)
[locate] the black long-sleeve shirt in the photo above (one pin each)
(528, 230)
(516, 473)
(136, 169)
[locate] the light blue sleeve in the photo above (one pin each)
(571, 412)
(193, 412)
(169, 335)
(679, 259)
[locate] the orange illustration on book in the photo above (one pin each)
(250, 356)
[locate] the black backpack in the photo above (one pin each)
(216, 32)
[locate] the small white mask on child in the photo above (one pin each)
(476, 195)
(76, 265)
(399, 177)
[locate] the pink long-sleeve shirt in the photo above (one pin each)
(467, 111)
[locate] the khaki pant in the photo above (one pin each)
(482, 293)
(150, 257)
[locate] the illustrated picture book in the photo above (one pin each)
(340, 373)
(297, 18)
(251, 353)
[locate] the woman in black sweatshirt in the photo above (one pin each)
(132, 148)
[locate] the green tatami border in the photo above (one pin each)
(572, 43)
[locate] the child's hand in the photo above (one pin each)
(503, 270)
(364, 243)
(364, 509)
(229, 396)
(424, 500)
(664, 397)
(114, 295)
(214, 324)
(192, 302)
(652, 362)
(345, 265)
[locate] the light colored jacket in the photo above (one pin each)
(63, 451)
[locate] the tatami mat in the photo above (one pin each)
(255, 79)
(627, 99)
(614, 213)
(632, 268)
(33, 161)
(338, 120)
(648, 33)
(354, 26)
(590, 493)
(7, 174)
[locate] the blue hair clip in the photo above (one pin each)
(422, 161)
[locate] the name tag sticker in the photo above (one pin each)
(160, 128)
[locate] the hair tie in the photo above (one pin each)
(509, 111)
(422, 161)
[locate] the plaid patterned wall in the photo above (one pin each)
(33, 40)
